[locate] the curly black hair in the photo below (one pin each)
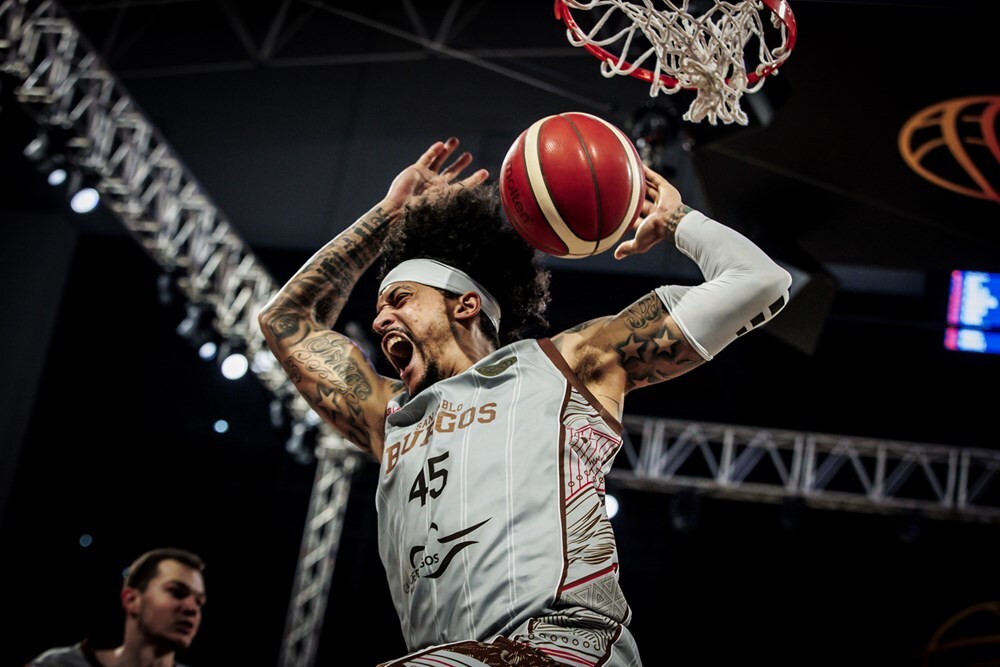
(467, 229)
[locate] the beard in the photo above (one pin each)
(432, 374)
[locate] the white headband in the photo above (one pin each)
(435, 274)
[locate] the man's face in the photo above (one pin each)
(412, 321)
(168, 612)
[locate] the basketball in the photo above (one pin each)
(572, 184)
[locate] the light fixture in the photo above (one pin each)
(208, 350)
(263, 361)
(197, 327)
(83, 193)
(47, 157)
(57, 176)
(611, 503)
(233, 358)
(168, 292)
(37, 149)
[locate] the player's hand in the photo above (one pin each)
(428, 176)
(661, 211)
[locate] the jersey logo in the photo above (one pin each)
(497, 368)
(431, 564)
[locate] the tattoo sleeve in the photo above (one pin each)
(649, 352)
(316, 294)
(326, 367)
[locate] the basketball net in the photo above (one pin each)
(677, 49)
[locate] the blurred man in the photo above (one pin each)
(163, 595)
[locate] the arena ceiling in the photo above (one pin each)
(295, 114)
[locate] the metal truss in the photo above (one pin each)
(334, 471)
(828, 471)
(64, 86)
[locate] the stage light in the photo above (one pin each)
(57, 176)
(83, 194)
(84, 200)
(611, 503)
(234, 366)
(38, 148)
(263, 362)
(168, 291)
(208, 350)
(233, 358)
(197, 326)
(48, 152)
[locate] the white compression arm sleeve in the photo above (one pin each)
(743, 287)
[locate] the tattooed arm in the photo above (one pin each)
(640, 346)
(331, 372)
(675, 329)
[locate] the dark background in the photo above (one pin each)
(107, 413)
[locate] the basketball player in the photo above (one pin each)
(493, 450)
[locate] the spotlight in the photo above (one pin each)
(233, 358)
(83, 193)
(57, 176)
(208, 350)
(48, 151)
(197, 326)
(38, 148)
(167, 290)
(612, 505)
(263, 362)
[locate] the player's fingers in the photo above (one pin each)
(456, 167)
(624, 249)
(445, 149)
(477, 178)
(431, 154)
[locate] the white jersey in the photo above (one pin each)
(491, 510)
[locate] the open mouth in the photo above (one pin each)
(398, 349)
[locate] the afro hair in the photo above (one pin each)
(466, 228)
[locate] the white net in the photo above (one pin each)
(675, 48)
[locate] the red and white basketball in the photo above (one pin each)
(572, 185)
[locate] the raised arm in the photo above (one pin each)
(331, 372)
(675, 328)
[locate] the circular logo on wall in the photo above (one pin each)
(954, 144)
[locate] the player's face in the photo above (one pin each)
(168, 612)
(412, 321)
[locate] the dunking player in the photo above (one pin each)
(493, 450)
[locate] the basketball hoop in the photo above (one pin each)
(703, 52)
